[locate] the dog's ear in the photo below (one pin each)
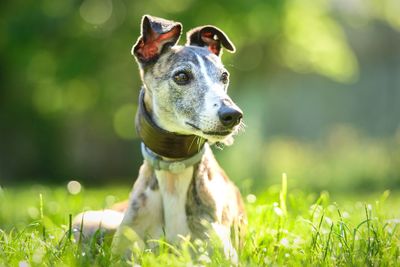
(157, 35)
(210, 36)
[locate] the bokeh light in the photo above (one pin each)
(74, 187)
(316, 42)
(124, 124)
(96, 12)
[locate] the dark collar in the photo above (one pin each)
(162, 142)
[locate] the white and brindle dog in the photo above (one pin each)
(183, 109)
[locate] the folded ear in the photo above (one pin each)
(210, 36)
(157, 34)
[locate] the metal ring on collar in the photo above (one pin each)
(174, 166)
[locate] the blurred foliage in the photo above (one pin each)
(69, 87)
(342, 161)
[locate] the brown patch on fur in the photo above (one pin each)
(171, 178)
(143, 198)
(240, 224)
(210, 171)
(223, 174)
(213, 168)
(200, 205)
(225, 218)
(241, 207)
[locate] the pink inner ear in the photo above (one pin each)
(212, 44)
(214, 49)
(152, 47)
(147, 51)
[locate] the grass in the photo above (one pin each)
(286, 227)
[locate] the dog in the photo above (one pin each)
(183, 109)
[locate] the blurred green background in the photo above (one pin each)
(319, 82)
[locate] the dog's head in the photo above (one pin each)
(186, 86)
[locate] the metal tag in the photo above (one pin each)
(177, 167)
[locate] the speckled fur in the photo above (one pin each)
(211, 198)
(201, 200)
(173, 106)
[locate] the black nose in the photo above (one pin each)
(229, 116)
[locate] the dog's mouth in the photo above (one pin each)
(221, 133)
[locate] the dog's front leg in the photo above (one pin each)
(223, 232)
(143, 217)
(126, 238)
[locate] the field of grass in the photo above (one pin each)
(292, 228)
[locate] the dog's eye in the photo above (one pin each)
(225, 77)
(182, 77)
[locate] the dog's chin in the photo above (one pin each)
(213, 137)
(227, 141)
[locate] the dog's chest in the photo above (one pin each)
(173, 189)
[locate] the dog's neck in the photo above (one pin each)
(164, 143)
(148, 104)
(173, 185)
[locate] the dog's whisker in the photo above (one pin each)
(242, 127)
(198, 143)
(191, 144)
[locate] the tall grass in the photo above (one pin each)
(289, 228)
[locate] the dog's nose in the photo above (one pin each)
(229, 115)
